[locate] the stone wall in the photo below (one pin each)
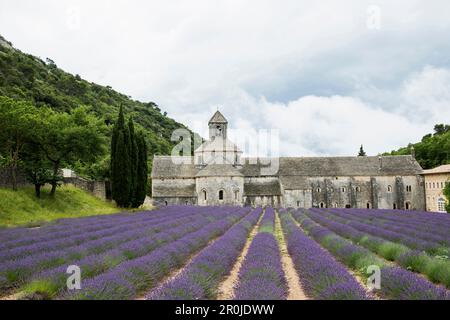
(232, 188)
(180, 201)
(98, 188)
(6, 178)
(381, 192)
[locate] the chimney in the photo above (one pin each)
(413, 152)
(380, 160)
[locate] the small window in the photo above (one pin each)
(322, 205)
(358, 189)
(298, 204)
(336, 205)
(348, 206)
(389, 188)
(318, 190)
(204, 194)
(408, 188)
(368, 205)
(407, 206)
(343, 189)
(394, 206)
(187, 202)
(165, 203)
(441, 205)
(434, 185)
(236, 195)
(221, 195)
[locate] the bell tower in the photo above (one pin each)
(217, 126)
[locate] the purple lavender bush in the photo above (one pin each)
(261, 276)
(321, 275)
(201, 278)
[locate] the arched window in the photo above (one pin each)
(204, 194)
(368, 205)
(165, 203)
(408, 188)
(336, 205)
(394, 206)
(441, 205)
(318, 190)
(407, 206)
(221, 195)
(358, 189)
(322, 205)
(236, 195)
(343, 189)
(389, 188)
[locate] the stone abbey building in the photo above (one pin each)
(217, 174)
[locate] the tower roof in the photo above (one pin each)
(218, 118)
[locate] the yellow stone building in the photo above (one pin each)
(435, 180)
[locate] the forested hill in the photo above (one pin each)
(26, 77)
(433, 150)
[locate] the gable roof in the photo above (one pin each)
(218, 118)
(441, 169)
(269, 188)
(184, 167)
(174, 191)
(349, 166)
(173, 167)
(219, 170)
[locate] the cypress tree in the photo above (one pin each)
(133, 163)
(142, 171)
(121, 187)
(361, 153)
(120, 162)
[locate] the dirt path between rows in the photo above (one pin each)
(358, 278)
(226, 288)
(296, 291)
(174, 274)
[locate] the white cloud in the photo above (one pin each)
(310, 69)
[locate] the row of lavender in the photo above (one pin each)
(396, 282)
(46, 268)
(322, 277)
(18, 271)
(91, 228)
(399, 228)
(130, 279)
(408, 252)
(261, 276)
(61, 228)
(201, 278)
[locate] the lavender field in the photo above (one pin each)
(187, 252)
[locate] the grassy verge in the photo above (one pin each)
(22, 208)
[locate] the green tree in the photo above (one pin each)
(67, 138)
(121, 173)
(362, 153)
(37, 168)
(17, 123)
(133, 163)
(120, 162)
(142, 171)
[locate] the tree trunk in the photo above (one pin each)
(37, 190)
(54, 182)
(14, 177)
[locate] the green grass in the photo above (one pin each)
(22, 208)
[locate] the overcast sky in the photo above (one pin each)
(329, 75)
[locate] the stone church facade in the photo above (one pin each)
(217, 174)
